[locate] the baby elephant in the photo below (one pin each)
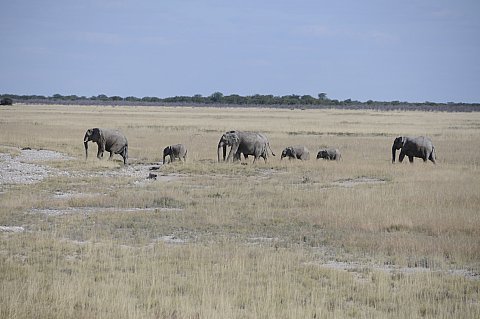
(329, 154)
(298, 151)
(175, 151)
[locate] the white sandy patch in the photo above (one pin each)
(358, 181)
(358, 269)
(12, 229)
(172, 239)
(24, 168)
(89, 210)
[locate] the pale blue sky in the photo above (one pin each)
(416, 51)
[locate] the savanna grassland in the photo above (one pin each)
(286, 239)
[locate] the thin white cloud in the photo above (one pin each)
(322, 31)
(444, 13)
(102, 38)
(114, 39)
(316, 31)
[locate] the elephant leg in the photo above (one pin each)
(101, 149)
(110, 157)
(401, 156)
(233, 151)
(410, 158)
(432, 158)
(125, 156)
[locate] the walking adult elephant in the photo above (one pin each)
(411, 147)
(246, 143)
(300, 152)
(107, 140)
(175, 151)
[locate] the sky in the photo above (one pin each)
(411, 50)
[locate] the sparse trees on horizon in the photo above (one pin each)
(218, 98)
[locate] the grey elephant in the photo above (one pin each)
(411, 147)
(264, 153)
(108, 140)
(246, 143)
(329, 154)
(175, 151)
(300, 152)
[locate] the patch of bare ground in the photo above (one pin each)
(12, 229)
(90, 210)
(14, 171)
(359, 181)
(359, 269)
(28, 167)
(172, 239)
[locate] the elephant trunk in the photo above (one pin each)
(394, 151)
(224, 147)
(86, 149)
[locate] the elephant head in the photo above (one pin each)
(397, 144)
(290, 152)
(166, 151)
(94, 135)
(228, 139)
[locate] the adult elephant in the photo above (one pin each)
(329, 154)
(175, 151)
(107, 140)
(300, 152)
(246, 143)
(411, 147)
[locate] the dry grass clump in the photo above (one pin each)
(282, 239)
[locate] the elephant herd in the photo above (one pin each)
(251, 144)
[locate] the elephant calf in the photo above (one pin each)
(296, 152)
(421, 147)
(107, 140)
(175, 151)
(329, 154)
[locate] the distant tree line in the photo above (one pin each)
(258, 100)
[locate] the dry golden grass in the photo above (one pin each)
(213, 240)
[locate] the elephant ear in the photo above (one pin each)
(399, 142)
(98, 132)
(232, 138)
(292, 152)
(88, 135)
(94, 132)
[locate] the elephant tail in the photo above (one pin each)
(273, 154)
(433, 155)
